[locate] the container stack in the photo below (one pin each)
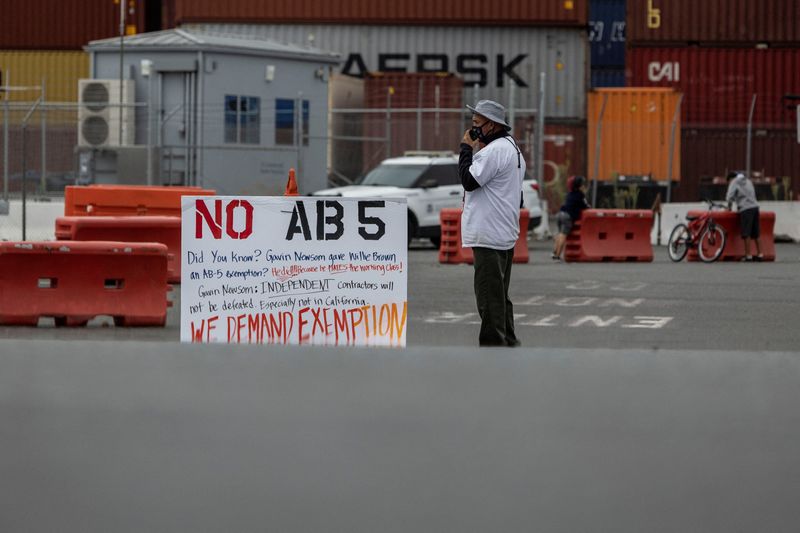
(490, 47)
(41, 43)
(607, 43)
(42, 58)
(720, 54)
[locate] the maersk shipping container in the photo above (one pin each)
(707, 155)
(719, 83)
(65, 24)
(417, 12)
(607, 33)
(490, 57)
(713, 22)
(58, 70)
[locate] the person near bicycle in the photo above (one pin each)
(574, 204)
(741, 191)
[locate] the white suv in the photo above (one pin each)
(429, 181)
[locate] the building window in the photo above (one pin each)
(242, 119)
(285, 121)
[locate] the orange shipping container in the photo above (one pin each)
(635, 130)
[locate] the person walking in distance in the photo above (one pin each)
(574, 204)
(491, 168)
(741, 191)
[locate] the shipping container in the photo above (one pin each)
(607, 77)
(713, 22)
(564, 156)
(607, 33)
(413, 90)
(416, 12)
(66, 24)
(490, 57)
(414, 130)
(719, 84)
(636, 126)
(58, 70)
(709, 154)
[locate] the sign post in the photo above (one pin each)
(294, 270)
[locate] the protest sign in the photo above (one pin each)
(294, 270)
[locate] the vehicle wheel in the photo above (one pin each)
(412, 227)
(678, 243)
(712, 243)
(437, 242)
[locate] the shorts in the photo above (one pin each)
(564, 222)
(748, 222)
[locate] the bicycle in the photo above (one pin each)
(702, 233)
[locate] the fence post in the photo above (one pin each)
(419, 116)
(389, 92)
(598, 137)
(43, 117)
(671, 153)
(5, 138)
(540, 135)
(750, 135)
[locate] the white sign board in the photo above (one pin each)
(294, 270)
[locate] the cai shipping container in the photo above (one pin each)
(636, 129)
(68, 24)
(707, 155)
(414, 12)
(719, 84)
(490, 57)
(713, 22)
(60, 71)
(607, 33)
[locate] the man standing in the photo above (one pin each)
(741, 191)
(491, 168)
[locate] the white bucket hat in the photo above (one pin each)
(491, 110)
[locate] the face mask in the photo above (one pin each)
(476, 132)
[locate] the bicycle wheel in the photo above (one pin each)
(678, 243)
(711, 244)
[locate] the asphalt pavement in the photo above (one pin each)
(658, 305)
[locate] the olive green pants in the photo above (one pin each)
(492, 278)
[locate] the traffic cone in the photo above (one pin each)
(291, 185)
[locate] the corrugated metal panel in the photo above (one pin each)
(62, 25)
(61, 71)
(564, 156)
(711, 153)
(440, 12)
(489, 56)
(412, 131)
(719, 83)
(412, 90)
(734, 22)
(635, 133)
(607, 33)
(607, 77)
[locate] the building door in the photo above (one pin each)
(178, 128)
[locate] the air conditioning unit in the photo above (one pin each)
(100, 113)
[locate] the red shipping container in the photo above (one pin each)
(64, 25)
(447, 12)
(435, 131)
(714, 22)
(707, 155)
(718, 83)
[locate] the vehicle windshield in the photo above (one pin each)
(393, 175)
